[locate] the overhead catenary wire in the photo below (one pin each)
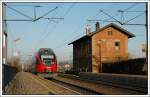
(31, 5)
(130, 11)
(67, 42)
(122, 22)
(69, 9)
(73, 32)
(53, 19)
(23, 5)
(130, 7)
(29, 17)
(108, 20)
(45, 13)
(133, 18)
(76, 31)
(44, 35)
(67, 12)
(19, 12)
(111, 17)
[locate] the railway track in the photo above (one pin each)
(78, 89)
(28, 84)
(54, 88)
(64, 90)
(104, 88)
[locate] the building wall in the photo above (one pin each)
(82, 61)
(4, 37)
(4, 48)
(107, 50)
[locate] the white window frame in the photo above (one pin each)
(117, 47)
(4, 60)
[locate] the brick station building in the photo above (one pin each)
(106, 44)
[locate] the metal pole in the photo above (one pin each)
(12, 60)
(146, 37)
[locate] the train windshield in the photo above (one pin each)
(47, 61)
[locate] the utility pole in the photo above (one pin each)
(146, 67)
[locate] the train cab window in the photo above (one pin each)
(46, 52)
(47, 61)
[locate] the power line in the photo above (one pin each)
(24, 5)
(129, 11)
(111, 17)
(108, 20)
(52, 18)
(29, 18)
(18, 20)
(19, 12)
(133, 5)
(46, 33)
(66, 42)
(44, 37)
(68, 10)
(130, 7)
(133, 18)
(121, 22)
(45, 13)
(28, 5)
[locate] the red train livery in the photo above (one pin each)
(45, 63)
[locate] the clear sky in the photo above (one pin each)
(56, 34)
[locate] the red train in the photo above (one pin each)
(45, 63)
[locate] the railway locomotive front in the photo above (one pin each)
(45, 63)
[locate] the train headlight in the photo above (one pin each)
(52, 62)
(47, 70)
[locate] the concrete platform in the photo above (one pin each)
(28, 84)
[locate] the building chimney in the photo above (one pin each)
(97, 25)
(87, 30)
